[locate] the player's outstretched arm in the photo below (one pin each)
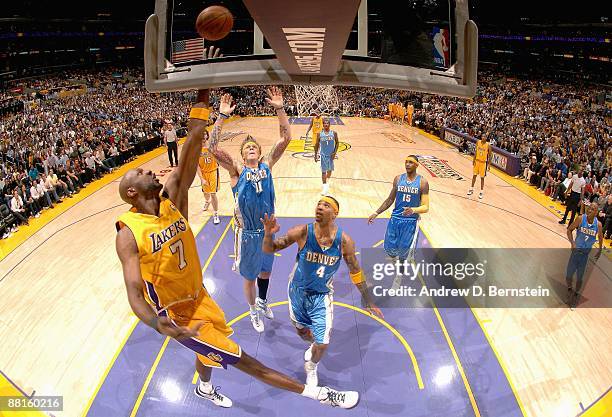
(180, 180)
(275, 99)
(357, 277)
(223, 158)
(570, 230)
(336, 144)
(387, 203)
(271, 226)
(127, 250)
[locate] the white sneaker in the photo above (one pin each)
(262, 305)
(480, 195)
(470, 192)
(216, 219)
(311, 373)
(308, 354)
(215, 396)
(258, 325)
(37, 215)
(342, 399)
(325, 189)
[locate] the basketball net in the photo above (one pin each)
(322, 99)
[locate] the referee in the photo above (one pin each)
(170, 141)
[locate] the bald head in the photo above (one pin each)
(126, 183)
(139, 184)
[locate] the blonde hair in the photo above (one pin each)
(250, 139)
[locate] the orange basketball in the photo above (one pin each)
(214, 23)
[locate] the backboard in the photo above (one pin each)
(420, 45)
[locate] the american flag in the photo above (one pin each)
(188, 50)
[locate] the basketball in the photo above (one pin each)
(214, 23)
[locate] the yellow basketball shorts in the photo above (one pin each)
(210, 184)
(212, 346)
(480, 168)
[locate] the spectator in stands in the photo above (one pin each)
(531, 169)
(605, 216)
(42, 191)
(51, 189)
(29, 201)
(18, 208)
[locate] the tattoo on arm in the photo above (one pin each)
(285, 133)
(222, 157)
(215, 135)
(282, 243)
(348, 253)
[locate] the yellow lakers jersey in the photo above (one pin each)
(317, 124)
(207, 161)
(482, 151)
(169, 261)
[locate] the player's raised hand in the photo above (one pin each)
(225, 105)
(374, 310)
(372, 217)
(212, 52)
(271, 226)
(165, 327)
(275, 97)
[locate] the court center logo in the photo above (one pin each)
(304, 148)
(397, 137)
(439, 168)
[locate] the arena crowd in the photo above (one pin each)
(64, 131)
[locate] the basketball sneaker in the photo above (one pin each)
(214, 395)
(342, 399)
(575, 301)
(480, 195)
(308, 354)
(470, 191)
(256, 321)
(311, 373)
(262, 305)
(216, 219)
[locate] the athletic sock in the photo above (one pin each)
(206, 387)
(262, 286)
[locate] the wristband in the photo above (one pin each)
(201, 113)
(153, 323)
(357, 277)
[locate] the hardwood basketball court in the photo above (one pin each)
(65, 315)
